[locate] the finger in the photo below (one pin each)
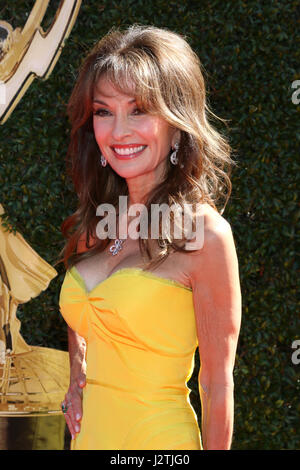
(70, 426)
(74, 399)
(71, 413)
(81, 380)
(77, 406)
(70, 400)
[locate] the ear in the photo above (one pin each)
(176, 137)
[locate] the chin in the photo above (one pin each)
(129, 172)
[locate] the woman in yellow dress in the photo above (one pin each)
(140, 301)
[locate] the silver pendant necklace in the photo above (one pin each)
(117, 246)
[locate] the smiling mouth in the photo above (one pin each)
(128, 152)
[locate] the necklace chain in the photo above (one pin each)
(117, 246)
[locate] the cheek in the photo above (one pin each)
(160, 133)
(145, 130)
(100, 131)
(154, 134)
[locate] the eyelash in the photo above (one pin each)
(104, 112)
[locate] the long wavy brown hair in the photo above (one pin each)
(168, 80)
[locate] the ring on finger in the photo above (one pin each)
(64, 407)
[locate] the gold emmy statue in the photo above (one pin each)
(33, 379)
(31, 52)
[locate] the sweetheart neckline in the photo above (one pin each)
(127, 270)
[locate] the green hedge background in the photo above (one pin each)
(249, 52)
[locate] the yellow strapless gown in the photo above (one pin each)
(141, 338)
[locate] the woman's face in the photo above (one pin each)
(133, 142)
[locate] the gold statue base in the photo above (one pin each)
(33, 383)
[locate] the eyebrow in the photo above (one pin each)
(105, 104)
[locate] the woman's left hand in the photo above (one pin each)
(72, 403)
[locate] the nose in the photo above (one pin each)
(121, 128)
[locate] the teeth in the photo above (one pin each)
(129, 151)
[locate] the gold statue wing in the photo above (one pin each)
(34, 52)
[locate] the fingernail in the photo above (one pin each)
(77, 428)
(78, 416)
(72, 437)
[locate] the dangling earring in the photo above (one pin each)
(103, 161)
(173, 156)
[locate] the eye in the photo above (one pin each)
(101, 112)
(136, 111)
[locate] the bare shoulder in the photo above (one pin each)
(216, 228)
(214, 223)
(218, 244)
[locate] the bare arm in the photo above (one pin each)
(77, 355)
(77, 350)
(217, 303)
